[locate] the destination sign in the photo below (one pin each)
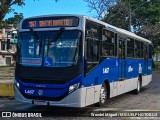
(50, 22)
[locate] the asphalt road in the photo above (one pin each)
(147, 100)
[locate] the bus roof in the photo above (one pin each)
(120, 30)
(130, 34)
(116, 29)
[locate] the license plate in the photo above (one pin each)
(40, 102)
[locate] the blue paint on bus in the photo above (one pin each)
(111, 69)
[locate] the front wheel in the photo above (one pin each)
(103, 96)
(137, 91)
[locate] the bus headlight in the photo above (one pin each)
(73, 87)
(17, 84)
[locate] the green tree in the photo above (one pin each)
(122, 13)
(139, 16)
(6, 6)
(117, 16)
(145, 13)
(13, 20)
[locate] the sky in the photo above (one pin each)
(46, 7)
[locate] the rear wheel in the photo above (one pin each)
(103, 96)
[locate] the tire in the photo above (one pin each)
(103, 96)
(138, 90)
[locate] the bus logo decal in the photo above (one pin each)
(29, 91)
(149, 67)
(130, 69)
(140, 68)
(105, 70)
(116, 62)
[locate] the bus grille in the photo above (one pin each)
(44, 81)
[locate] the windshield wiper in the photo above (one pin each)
(39, 42)
(40, 46)
(61, 30)
(34, 35)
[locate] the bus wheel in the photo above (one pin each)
(103, 96)
(137, 91)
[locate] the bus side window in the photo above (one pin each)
(115, 45)
(108, 43)
(150, 51)
(145, 51)
(137, 49)
(130, 47)
(142, 55)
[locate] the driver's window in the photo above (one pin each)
(92, 44)
(92, 50)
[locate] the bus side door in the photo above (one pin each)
(122, 57)
(121, 66)
(146, 59)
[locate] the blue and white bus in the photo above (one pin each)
(76, 61)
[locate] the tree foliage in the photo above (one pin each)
(6, 6)
(142, 13)
(118, 12)
(13, 20)
(143, 16)
(100, 7)
(117, 16)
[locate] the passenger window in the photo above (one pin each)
(130, 47)
(145, 51)
(142, 55)
(108, 43)
(137, 49)
(150, 51)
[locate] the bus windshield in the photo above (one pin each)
(50, 49)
